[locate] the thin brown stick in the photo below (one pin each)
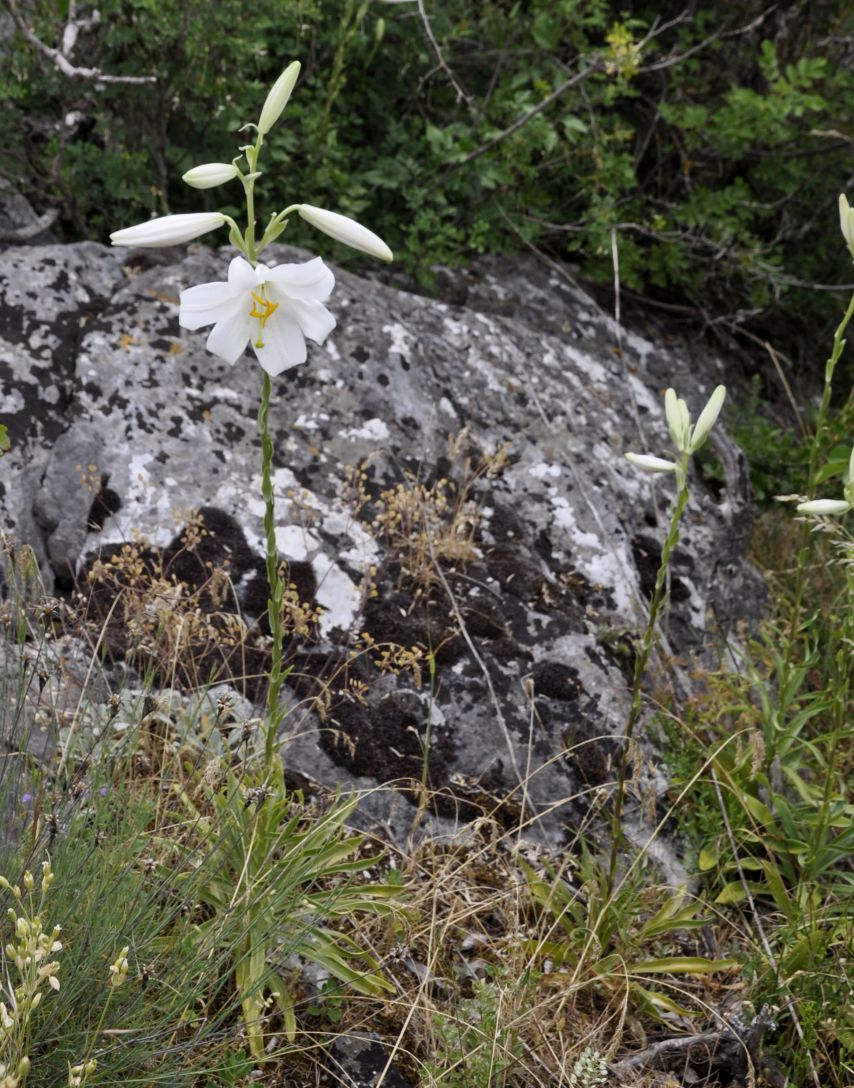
(59, 58)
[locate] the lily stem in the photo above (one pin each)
(641, 662)
(274, 581)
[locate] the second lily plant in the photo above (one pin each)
(282, 881)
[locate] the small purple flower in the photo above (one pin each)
(104, 791)
(27, 799)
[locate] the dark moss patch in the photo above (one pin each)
(387, 741)
(105, 503)
(555, 680)
(595, 757)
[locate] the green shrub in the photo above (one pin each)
(713, 151)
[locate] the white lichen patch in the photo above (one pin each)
(401, 339)
(373, 430)
(544, 469)
(295, 543)
(336, 593)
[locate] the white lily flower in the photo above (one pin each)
(276, 308)
(210, 174)
(649, 463)
(846, 221)
(708, 418)
(824, 506)
(346, 230)
(278, 97)
(169, 230)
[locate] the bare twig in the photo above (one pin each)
(458, 87)
(60, 57)
(596, 65)
(23, 234)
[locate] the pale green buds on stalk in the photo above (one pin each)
(210, 174)
(846, 222)
(119, 969)
(346, 230)
(278, 97)
(169, 230)
(687, 439)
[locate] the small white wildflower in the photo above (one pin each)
(119, 969)
(589, 1071)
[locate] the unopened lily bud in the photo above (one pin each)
(278, 97)
(827, 507)
(708, 417)
(648, 463)
(168, 230)
(846, 222)
(346, 230)
(210, 174)
(23, 1067)
(29, 883)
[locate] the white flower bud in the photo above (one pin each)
(829, 507)
(846, 221)
(278, 97)
(648, 463)
(169, 230)
(210, 174)
(708, 417)
(346, 230)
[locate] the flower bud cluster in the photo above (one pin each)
(30, 949)
(119, 969)
(171, 230)
(79, 1074)
(687, 437)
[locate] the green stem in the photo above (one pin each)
(274, 604)
(815, 449)
(641, 662)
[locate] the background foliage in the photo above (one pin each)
(713, 139)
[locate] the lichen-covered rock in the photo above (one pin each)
(470, 553)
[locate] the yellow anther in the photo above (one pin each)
(264, 313)
(267, 309)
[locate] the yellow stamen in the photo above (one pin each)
(267, 309)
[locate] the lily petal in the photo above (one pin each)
(312, 280)
(284, 346)
(229, 336)
(205, 304)
(312, 317)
